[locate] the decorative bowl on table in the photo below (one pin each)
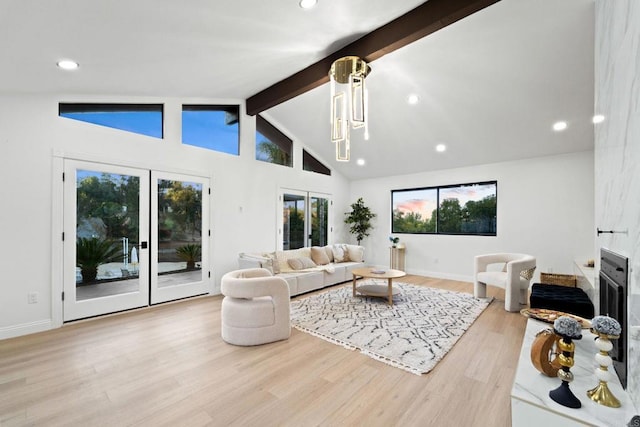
(550, 316)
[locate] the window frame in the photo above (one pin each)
(437, 208)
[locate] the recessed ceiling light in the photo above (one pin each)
(559, 126)
(67, 64)
(598, 118)
(441, 148)
(413, 99)
(360, 162)
(308, 4)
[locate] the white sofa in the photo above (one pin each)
(295, 265)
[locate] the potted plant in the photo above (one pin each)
(190, 253)
(394, 241)
(93, 252)
(359, 219)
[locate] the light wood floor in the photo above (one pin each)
(167, 365)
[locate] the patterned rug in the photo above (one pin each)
(414, 334)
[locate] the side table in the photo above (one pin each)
(396, 258)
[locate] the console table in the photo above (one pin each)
(530, 401)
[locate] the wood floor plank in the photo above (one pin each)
(167, 365)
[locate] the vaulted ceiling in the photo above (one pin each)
(490, 86)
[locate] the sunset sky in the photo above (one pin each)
(424, 201)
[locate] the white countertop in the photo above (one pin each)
(532, 387)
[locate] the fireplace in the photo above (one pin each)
(614, 275)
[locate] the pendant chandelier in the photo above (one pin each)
(348, 102)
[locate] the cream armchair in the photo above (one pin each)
(255, 309)
(514, 277)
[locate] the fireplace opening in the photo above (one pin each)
(613, 303)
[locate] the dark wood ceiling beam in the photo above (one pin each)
(425, 19)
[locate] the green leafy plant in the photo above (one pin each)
(190, 253)
(359, 219)
(93, 252)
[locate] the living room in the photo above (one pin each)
(549, 205)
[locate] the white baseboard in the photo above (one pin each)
(441, 275)
(25, 329)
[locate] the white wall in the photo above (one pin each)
(545, 208)
(617, 154)
(32, 140)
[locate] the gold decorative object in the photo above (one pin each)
(568, 329)
(606, 329)
(349, 101)
(544, 353)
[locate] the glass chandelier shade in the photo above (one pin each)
(349, 101)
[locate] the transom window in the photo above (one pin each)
(144, 119)
(272, 145)
(310, 163)
(214, 127)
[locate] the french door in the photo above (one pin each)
(179, 222)
(305, 219)
(133, 237)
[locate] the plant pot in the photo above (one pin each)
(89, 274)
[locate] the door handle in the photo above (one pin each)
(143, 245)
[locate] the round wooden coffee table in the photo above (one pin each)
(375, 290)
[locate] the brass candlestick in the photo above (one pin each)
(607, 329)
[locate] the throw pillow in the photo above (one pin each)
(329, 252)
(281, 259)
(273, 261)
(340, 253)
(356, 253)
(319, 255)
(301, 263)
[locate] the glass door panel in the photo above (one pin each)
(106, 223)
(293, 216)
(319, 213)
(181, 230)
(305, 219)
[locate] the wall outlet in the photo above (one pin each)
(32, 297)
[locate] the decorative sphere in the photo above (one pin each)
(603, 375)
(604, 344)
(603, 360)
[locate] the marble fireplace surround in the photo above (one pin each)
(617, 153)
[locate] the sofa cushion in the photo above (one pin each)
(284, 257)
(319, 255)
(356, 253)
(310, 281)
(301, 263)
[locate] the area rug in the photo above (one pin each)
(414, 334)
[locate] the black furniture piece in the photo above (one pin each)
(561, 298)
